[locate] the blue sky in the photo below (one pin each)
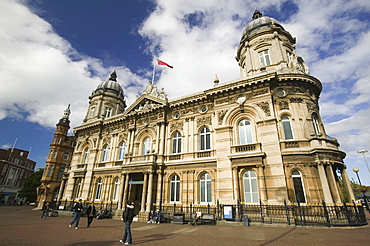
(54, 53)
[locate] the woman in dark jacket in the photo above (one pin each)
(90, 212)
(127, 216)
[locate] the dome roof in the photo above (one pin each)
(110, 85)
(259, 23)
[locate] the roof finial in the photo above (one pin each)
(216, 80)
(67, 112)
(256, 14)
(113, 76)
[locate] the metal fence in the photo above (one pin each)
(293, 214)
(290, 214)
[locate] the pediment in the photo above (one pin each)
(145, 103)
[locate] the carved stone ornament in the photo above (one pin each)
(221, 115)
(265, 107)
(206, 120)
(177, 126)
(311, 106)
(283, 105)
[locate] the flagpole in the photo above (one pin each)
(153, 73)
(11, 152)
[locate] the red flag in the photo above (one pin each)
(163, 63)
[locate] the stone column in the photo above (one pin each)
(262, 183)
(163, 138)
(236, 184)
(122, 186)
(324, 183)
(126, 190)
(150, 192)
(159, 189)
(143, 196)
(333, 184)
(347, 184)
(61, 189)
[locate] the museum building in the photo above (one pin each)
(257, 138)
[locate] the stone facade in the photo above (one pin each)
(256, 138)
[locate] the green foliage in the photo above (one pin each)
(359, 190)
(30, 186)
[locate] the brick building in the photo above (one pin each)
(15, 167)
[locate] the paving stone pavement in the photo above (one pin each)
(21, 225)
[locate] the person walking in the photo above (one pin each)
(45, 210)
(127, 216)
(91, 213)
(77, 209)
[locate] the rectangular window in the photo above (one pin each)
(50, 170)
(287, 130)
(60, 172)
(92, 112)
(65, 156)
(298, 188)
(108, 112)
(54, 154)
(264, 58)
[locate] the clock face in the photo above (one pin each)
(281, 92)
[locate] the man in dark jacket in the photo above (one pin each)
(77, 209)
(127, 216)
(90, 212)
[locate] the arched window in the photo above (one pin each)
(176, 143)
(146, 146)
(115, 191)
(99, 185)
(288, 133)
(85, 158)
(205, 188)
(250, 187)
(122, 150)
(175, 189)
(77, 188)
(205, 139)
(298, 186)
(315, 124)
(245, 132)
(105, 153)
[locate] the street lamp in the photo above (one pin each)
(363, 154)
(356, 170)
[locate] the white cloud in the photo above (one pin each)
(41, 73)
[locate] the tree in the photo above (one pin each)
(29, 190)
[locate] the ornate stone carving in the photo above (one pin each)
(177, 126)
(283, 105)
(221, 115)
(205, 120)
(296, 100)
(311, 106)
(265, 107)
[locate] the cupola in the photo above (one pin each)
(266, 47)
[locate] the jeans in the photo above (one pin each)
(127, 233)
(76, 218)
(44, 214)
(89, 220)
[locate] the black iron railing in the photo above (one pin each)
(346, 214)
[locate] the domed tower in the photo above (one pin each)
(106, 101)
(266, 47)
